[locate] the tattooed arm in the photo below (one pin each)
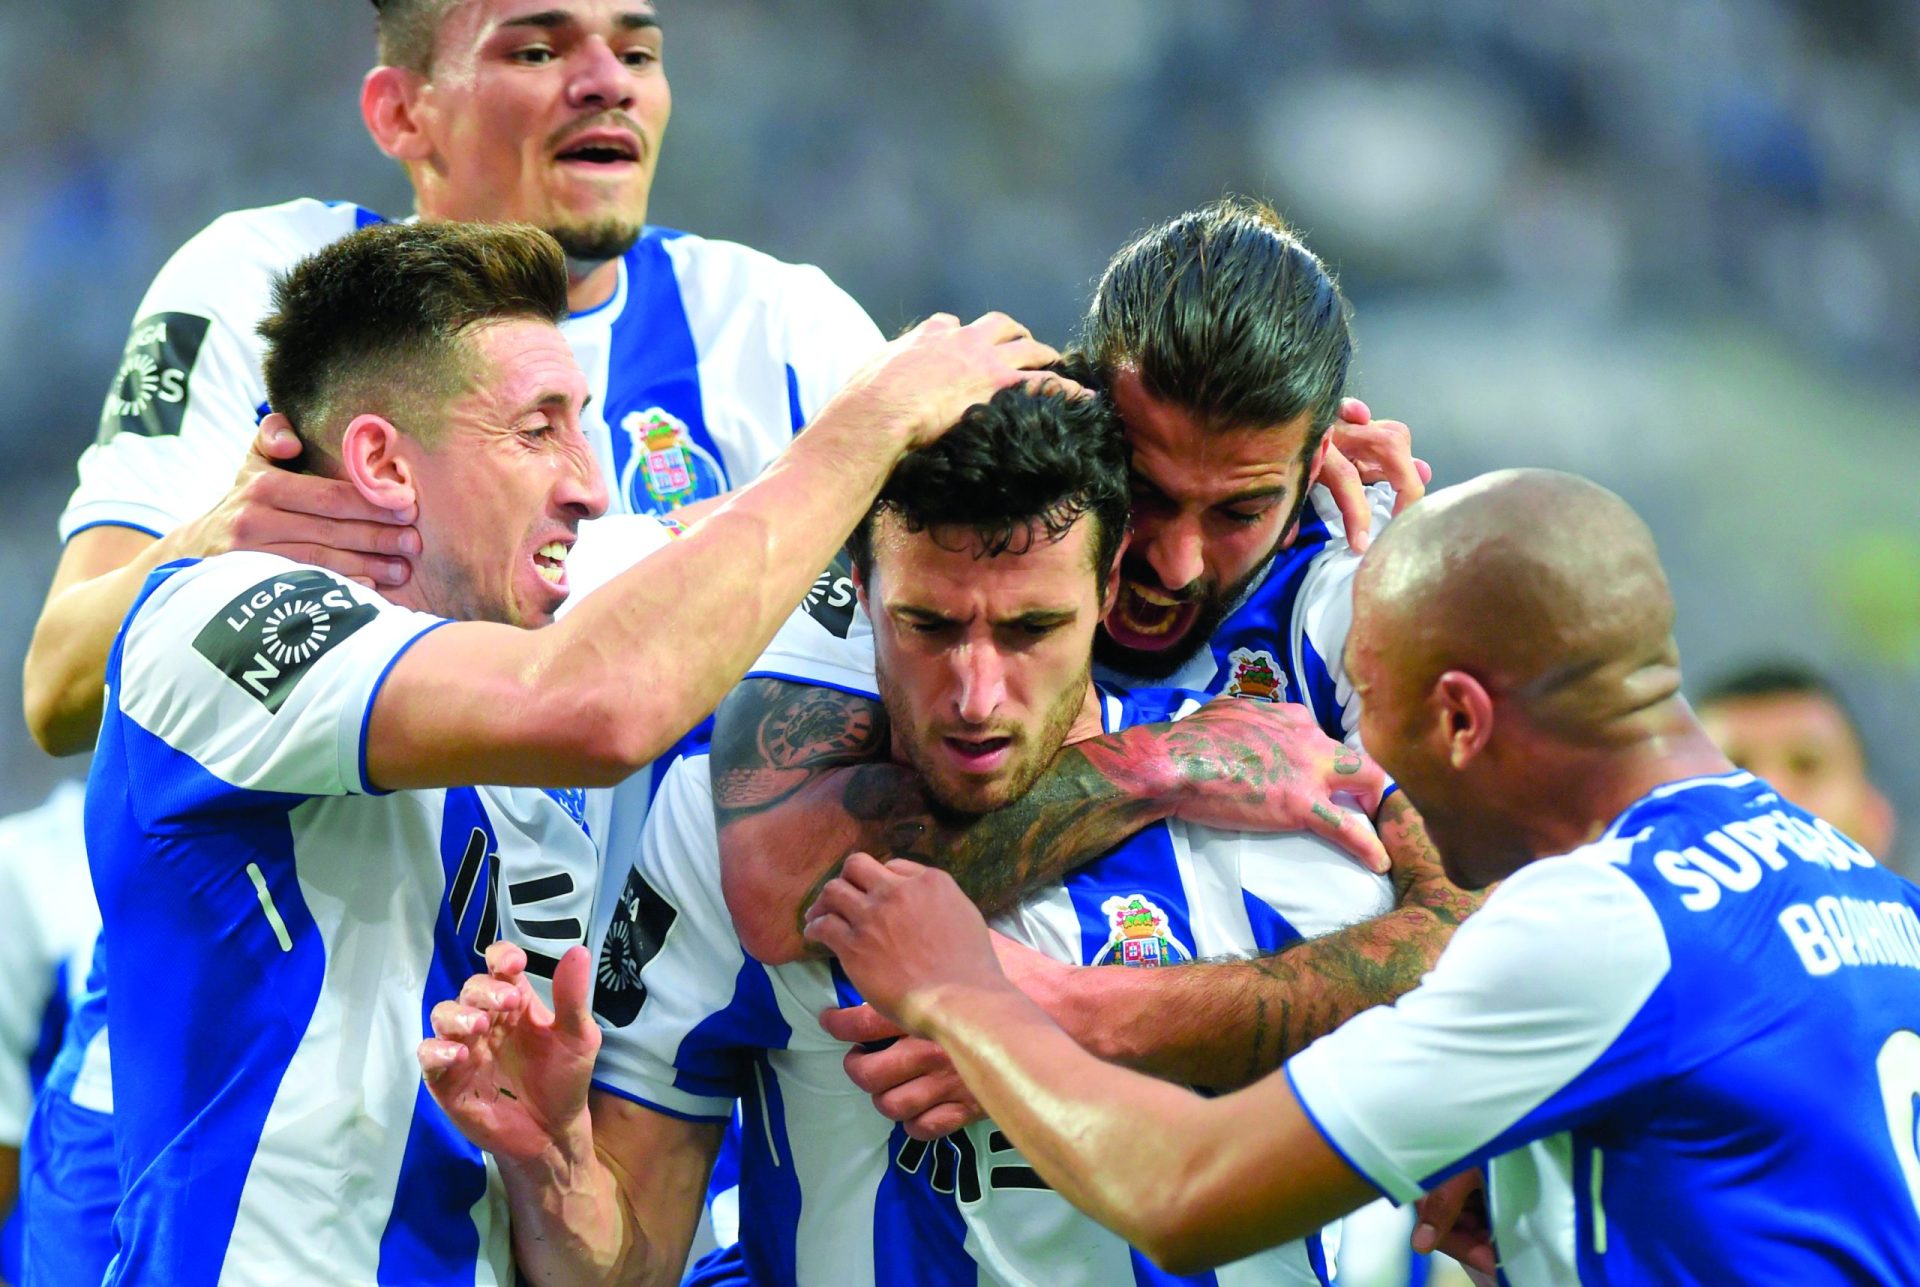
(1224, 1024)
(801, 780)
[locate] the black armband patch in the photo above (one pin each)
(149, 393)
(639, 927)
(268, 638)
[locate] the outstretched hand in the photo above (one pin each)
(512, 1074)
(901, 932)
(1362, 450)
(1251, 765)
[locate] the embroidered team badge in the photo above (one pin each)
(1255, 674)
(665, 467)
(1137, 935)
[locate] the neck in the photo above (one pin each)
(589, 285)
(1088, 723)
(1579, 791)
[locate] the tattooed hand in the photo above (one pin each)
(1251, 765)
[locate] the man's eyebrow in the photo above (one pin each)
(1255, 494)
(1040, 617)
(548, 19)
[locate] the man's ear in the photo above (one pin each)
(859, 585)
(1463, 715)
(374, 458)
(1319, 460)
(1111, 590)
(391, 107)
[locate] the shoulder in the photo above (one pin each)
(241, 252)
(1577, 927)
(705, 266)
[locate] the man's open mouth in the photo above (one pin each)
(1147, 618)
(550, 561)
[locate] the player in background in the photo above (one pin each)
(251, 698)
(1682, 1030)
(1783, 722)
(994, 554)
(47, 925)
(703, 356)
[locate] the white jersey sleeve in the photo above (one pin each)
(1525, 1025)
(263, 671)
(829, 337)
(827, 642)
(47, 924)
(676, 1022)
(182, 408)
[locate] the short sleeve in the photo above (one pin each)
(829, 337)
(828, 640)
(1324, 617)
(181, 409)
(678, 1001)
(1536, 1016)
(261, 671)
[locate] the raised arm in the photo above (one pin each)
(1223, 1024)
(801, 780)
(613, 684)
(601, 1190)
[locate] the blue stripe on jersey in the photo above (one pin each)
(1317, 1257)
(53, 1024)
(193, 1100)
(442, 1175)
(1141, 864)
(722, 1267)
(1318, 692)
(769, 1188)
(1271, 931)
(113, 522)
(652, 363)
(796, 414)
(69, 1188)
(362, 217)
(1148, 1274)
(709, 1060)
(919, 1235)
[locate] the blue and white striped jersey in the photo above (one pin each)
(287, 928)
(1691, 1051)
(704, 363)
(1283, 642)
(831, 1192)
(47, 925)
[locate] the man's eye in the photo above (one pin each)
(537, 432)
(638, 58)
(533, 55)
(1243, 517)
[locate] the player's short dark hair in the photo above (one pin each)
(406, 30)
(1774, 677)
(1225, 313)
(1023, 463)
(375, 321)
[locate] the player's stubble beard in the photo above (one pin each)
(589, 245)
(1033, 751)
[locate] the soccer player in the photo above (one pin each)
(290, 856)
(47, 925)
(1683, 1029)
(994, 554)
(1781, 721)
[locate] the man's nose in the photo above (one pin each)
(581, 490)
(1174, 550)
(982, 686)
(597, 77)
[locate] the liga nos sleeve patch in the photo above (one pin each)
(638, 930)
(149, 393)
(267, 639)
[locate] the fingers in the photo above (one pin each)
(275, 440)
(829, 931)
(505, 961)
(1436, 1213)
(453, 1021)
(943, 1120)
(880, 1071)
(439, 1057)
(311, 494)
(367, 571)
(863, 872)
(860, 1025)
(1359, 775)
(573, 994)
(1354, 411)
(1339, 827)
(1053, 382)
(1338, 475)
(999, 328)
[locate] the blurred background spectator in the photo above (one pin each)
(1670, 244)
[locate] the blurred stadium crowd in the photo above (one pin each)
(1664, 243)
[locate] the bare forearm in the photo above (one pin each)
(569, 1223)
(1226, 1023)
(67, 659)
(796, 792)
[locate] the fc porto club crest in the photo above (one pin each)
(1137, 935)
(1255, 674)
(665, 467)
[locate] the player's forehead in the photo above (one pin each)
(521, 363)
(1182, 457)
(945, 571)
(485, 16)
(1784, 724)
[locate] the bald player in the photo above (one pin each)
(1681, 1032)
